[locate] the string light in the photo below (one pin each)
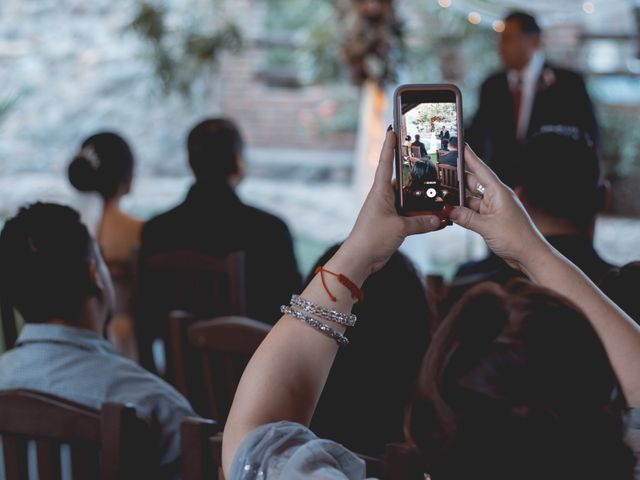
(474, 18)
(444, 3)
(498, 26)
(588, 7)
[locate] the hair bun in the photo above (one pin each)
(83, 170)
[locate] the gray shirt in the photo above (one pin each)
(79, 365)
(286, 450)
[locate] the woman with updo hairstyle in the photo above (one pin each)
(104, 165)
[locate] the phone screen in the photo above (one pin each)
(429, 138)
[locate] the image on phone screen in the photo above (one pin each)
(429, 150)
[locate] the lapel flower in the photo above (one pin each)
(547, 78)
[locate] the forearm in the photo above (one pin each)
(619, 334)
(286, 375)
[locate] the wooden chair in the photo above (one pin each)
(225, 345)
(398, 463)
(203, 285)
(448, 175)
(9, 325)
(195, 457)
(109, 444)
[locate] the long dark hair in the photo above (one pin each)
(517, 384)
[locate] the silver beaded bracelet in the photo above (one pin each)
(346, 319)
(318, 325)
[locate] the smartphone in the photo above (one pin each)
(429, 163)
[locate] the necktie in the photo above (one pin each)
(517, 101)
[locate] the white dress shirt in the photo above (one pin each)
(529, 75)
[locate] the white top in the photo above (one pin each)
(530, 75)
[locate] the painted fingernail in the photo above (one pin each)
(389, 128)
(446, 210)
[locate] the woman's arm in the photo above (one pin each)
(500, 218)
(286, 375)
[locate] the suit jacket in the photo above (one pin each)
(423, 148)
(213, 220)
(579, 249)
(450, 158)
(561, 99)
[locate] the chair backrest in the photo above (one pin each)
(448, 175)
(9, 326)
(225, 344)
(399, 462)
(203, 285)
(195, 457)
(109, 444)
(415, 151)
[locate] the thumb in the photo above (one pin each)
(467, 218)
(421, 224)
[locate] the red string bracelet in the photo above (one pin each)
(356, 292)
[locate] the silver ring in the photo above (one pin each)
(480, 188)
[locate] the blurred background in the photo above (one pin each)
(312, 106)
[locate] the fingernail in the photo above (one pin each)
(446, 210)
(389, 128)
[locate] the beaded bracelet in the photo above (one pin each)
(348, 320)
(312, 322)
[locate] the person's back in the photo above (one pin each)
(560, 186)
(53, 274)
(363, 401)
(214, 221)
(104, 165)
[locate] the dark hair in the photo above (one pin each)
(560, 175)
(44, 254)
(528, 24)
(373, 378)
(622, 285)
(422, 172)
(103, 165)
(214, 145)
(453, 142)
(417, 136)
(517, 384)
(408, 137)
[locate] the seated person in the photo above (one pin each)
(423, 148)
(104, 165)
(450, 158)
(372, 380)
(421, 172)
(517, 383)
(561, 189)
(214, 221)
(53, 274)
(621, 285)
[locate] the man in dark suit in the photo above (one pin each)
(444, 138)
(451, 158)
(423, 149)
(528, 93)
(562, 191)
(213, 220)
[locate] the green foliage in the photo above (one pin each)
(429, 115)
(179, 56)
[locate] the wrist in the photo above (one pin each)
(535, 256)
(351, 263)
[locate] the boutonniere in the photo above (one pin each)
(547, 78)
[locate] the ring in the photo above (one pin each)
(480, 188)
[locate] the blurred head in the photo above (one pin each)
(420, 172)
(407, 138)
(52, 270)
(453, 143)
(622, 285)
(104, 165)
(516, 384)
(519, 41)
(417, 137)
(215, 151)
(559, 178)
